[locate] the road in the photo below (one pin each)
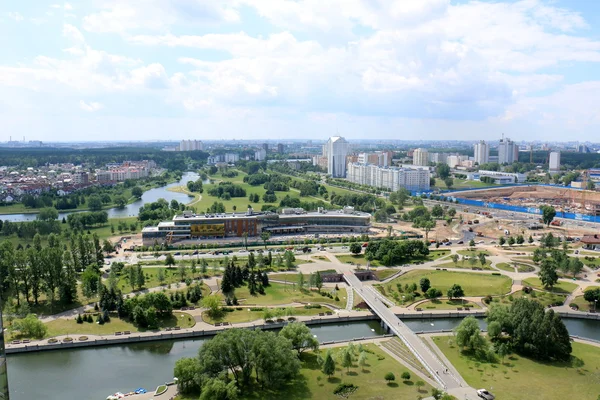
(431, 362)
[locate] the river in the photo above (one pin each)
(92, 373)
(130, 210)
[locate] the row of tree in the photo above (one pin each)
(393, 252)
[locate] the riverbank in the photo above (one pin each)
(205, 330)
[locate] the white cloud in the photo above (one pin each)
(154, 15)
(73, 34)
(15, 16)
(91, 106)
(65, 6)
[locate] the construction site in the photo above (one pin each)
(562, 199)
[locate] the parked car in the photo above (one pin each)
(484, 394)
(460, 242)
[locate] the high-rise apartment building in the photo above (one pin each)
(508, 151)
(381, 158)
(190, 145)
(554, 161)
(482, 152)
(414, 179)
(280, 148)
(336, 150)
(260, 154)
(420, 157)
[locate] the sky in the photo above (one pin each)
(293, 69)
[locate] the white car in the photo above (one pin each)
(484, 394)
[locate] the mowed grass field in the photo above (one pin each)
(520, 377)
(279, 293)
(473, 284)
(247, 315)
(560, 287)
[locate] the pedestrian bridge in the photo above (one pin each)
(424, 354)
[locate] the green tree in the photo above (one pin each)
(530, 240)
(160, 275)
(419, 385)
(29, 327)
(511, 241)
(548, 214)
(213, 303)
(329, 365)
(449, 182)
(355, 248)
(468, 335)
(405, 376)
(318, 281)
(48, 214)
(362, 360)
(442, 170)
(346, 359)
(301, 280)
(455, 292)
(520, 239)
(454, 258)
(494, 330)
(137, 192)
(120, 201)
(433, 293)
(94, 203)
(265, 236)
(389, 377)
(472, 243)
(218, 389)
(300, 336)
(501, 241)
(547, 273)
(182, 272)
(425, 284)
(169, 260)
(188, 375)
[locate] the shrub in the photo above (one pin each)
(345, 389)
(487, 299)
(574, 306)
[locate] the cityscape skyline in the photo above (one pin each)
(196, 70)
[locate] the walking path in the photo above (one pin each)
(432, 363)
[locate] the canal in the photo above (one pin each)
(93, 373)
(130, 210)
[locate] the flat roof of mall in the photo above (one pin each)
(336, 213)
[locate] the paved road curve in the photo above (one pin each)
(431, 362)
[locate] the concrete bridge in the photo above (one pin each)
(436, 368)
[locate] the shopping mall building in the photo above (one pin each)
(289, 221)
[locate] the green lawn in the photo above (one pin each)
(591, 262)
(313, 384)
(560, 287)
(582, 303)
(473, 284)
(446, 304)
(279, 293)
(171, 277)
(321, 258)
(520, 377)
(359, 259)
(72, 328)
(505, 267)
(544, 298)
(247, 315)
(466, 265)
(383, 274)
(474, 252)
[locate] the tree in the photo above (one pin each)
(575, 266)
(501, 241)
(47, 214)
(433, 293)
(427, 224)
(329, 365)
(169, 260)
(318, 281)
(511, 241)
(494, 330)
(29, 327)
(218, 389)
(265, 236)
(449, 182)
(468, 335)
(300, 336)
(137, 192)
(213, 303)
(425, 284)
(140, 278)
(355, 248)
(419, 385)
(346, 359)
(405, 376)
(437, 211)
(188, 375)
(362, 360)
(592, 295)
(94, 203)
(503, 351)
(547, 273)
(530, 240)
(454, 258)
(120, 201)
(520, 239)
(548, 214)
(472, 243)
(455, 292)
(389, 377)
(442, 170)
